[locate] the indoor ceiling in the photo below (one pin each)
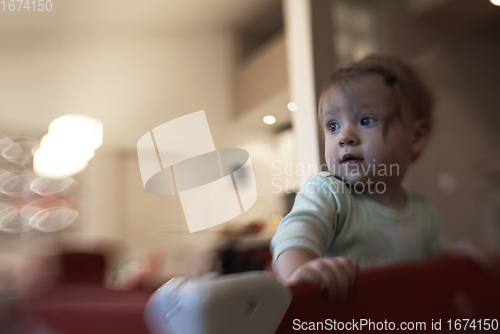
(170, 14)
(25, 33)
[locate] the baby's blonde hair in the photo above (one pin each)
(400, 76)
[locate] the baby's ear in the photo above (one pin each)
(421, 134)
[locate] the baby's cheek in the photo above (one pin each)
(330, 154)
(375, 150)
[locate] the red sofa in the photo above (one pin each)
(444, 288)
(79, 303)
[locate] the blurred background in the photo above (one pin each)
(130, 66)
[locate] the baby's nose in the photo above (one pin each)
(348, 138)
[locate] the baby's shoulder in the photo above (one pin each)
(326, 185)
(328, 181)
(325, 178)
(420, 203)
(416, 198)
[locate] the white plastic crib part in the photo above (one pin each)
(245, 303)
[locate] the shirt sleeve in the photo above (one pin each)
(435, 241)
(313, 220)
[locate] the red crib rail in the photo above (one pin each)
(449, 289)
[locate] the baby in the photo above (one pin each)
(376, 120)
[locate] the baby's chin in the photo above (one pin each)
(362, 183)
(355, 173)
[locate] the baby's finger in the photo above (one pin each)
(350, 268)
(306, 274)
(341, 271)
(481, 256)
(329, 278)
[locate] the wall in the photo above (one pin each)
(132, 82)
(462, 70)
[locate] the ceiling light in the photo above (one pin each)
(269, 119)
(292, 106)
(68, 147)
(495, 2)
(77, 128)
(51, 164)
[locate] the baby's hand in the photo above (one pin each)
(483, 256)
(332, 275)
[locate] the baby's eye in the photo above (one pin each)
(365, 121)
(334, 127)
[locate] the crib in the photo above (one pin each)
(444, 293)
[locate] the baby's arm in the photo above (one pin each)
(290, 260)
(333, 276)
(307, 231)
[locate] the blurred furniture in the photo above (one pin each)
(82, 268)
(443, 288)
(74, 308)
(246, 253)
(79, 303)
(243, 303)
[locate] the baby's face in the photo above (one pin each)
(355, 146)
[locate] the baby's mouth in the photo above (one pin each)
(349, 160)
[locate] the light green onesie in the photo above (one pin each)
(331, 220)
